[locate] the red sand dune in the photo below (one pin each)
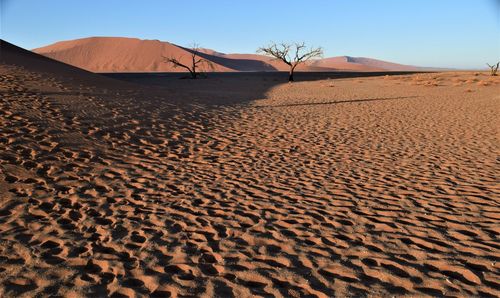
(118, 54)
(362, 64)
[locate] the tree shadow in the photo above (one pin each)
(337, 102)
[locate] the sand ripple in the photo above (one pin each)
(381, 187)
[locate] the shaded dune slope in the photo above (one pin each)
(16, 56)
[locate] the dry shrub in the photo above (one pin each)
(493, 68)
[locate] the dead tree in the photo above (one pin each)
(493, 68)
(291, 54)
(195, 65)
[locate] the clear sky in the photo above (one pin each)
(439, 33)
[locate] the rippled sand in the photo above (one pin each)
(332, 188)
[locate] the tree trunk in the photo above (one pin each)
(290, 77)
(192, 73)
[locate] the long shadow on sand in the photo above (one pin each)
(337, 102)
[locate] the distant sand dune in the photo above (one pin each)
(360, 187)
(118, 54)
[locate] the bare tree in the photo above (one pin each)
(196, 63)
(291, 54)
(493, 68)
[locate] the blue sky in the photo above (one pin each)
(439, 33)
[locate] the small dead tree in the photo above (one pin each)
(196, 63)
(291, 54)
(493, 68)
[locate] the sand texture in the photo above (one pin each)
(367, 187)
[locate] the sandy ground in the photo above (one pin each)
(371, 187)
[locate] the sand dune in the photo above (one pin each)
(118, 54)
(364, 187)
(345, 63)
(362, 64)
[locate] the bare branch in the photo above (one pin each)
(277, 53)
(195, 60)
(176, 63)
(282, 52)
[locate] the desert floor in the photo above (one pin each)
(247, 186)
